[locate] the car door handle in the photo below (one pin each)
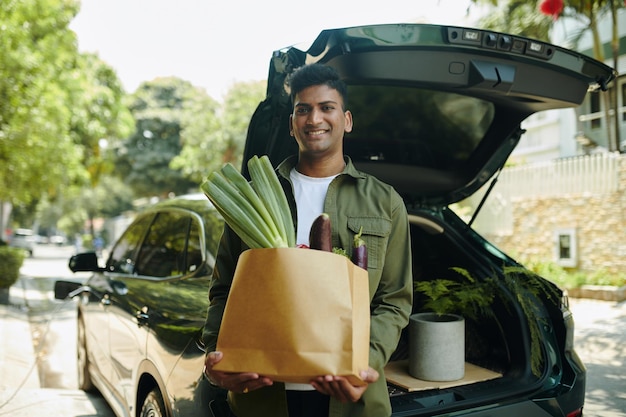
(142, 316)
(105, 300)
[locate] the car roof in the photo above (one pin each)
(437, 109)
(196, 202)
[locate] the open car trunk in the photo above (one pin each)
(437, 111)
(497, 347)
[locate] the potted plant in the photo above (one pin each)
(11, 260)
(473, 298)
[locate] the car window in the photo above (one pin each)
(163, 252)
(413, 126)
(122, 259)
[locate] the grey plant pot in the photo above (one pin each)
(437, 347)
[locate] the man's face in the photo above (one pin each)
(318, 121)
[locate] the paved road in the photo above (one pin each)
(600, 341)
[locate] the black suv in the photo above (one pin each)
(437, 111)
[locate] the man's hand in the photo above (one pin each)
(236, 382)
(340, 388)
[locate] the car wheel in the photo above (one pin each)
(82, 359)
(153, 405)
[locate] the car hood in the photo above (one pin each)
(436, 109)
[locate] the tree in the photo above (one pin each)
(143, 159)
(100, 117)
(110, 198)
(38, 64)
(81, 205)
(536, 18)
(589, 13)
(57, 106)
(215, 137)
(519, 17)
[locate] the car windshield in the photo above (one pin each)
(412, 126)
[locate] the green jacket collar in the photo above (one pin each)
(288, 164)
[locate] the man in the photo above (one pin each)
(321, 179)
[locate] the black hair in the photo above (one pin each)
(316, 74)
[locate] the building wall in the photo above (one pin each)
(597, 220)
(526, 223)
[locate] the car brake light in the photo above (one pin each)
(576, 413)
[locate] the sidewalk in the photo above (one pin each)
(17, 356)
(21, 394)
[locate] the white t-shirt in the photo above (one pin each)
(310, 193)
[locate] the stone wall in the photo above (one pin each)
(599, 222)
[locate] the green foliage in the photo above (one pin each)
(11, 260)
(56, 104)
(527, 287)
(467, 296)
(143, 159)
(213, 136)
(38, 54)
(569, 278)
(519, 17)
(80, 205)
(603, 277)
(473, 298)
(100, 117)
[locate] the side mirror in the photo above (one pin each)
(63, 289)
(82, 262)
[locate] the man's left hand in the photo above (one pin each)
(340, 388)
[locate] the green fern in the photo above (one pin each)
(525, 286)
(473, 299)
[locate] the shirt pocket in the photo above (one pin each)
(375, 233)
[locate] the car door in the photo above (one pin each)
(142, 299)
(177, 326)
(126, 339)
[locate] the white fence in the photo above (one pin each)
(580, 176)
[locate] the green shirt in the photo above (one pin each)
(354, 200)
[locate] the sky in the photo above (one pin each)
(216, 44)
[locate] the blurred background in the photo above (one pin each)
(108, 107)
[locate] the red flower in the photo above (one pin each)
(551, 8)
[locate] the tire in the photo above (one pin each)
(82, 359)
(153, 405)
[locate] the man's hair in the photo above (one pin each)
(316, 74)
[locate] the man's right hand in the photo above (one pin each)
(236, 382)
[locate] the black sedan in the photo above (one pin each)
(140, 316)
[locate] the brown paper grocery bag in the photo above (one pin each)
(294, 314)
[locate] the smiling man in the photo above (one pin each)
(320, 178)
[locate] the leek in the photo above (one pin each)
(258, 212)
